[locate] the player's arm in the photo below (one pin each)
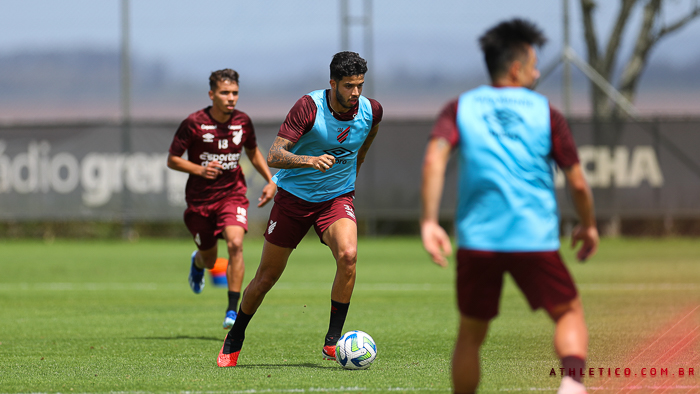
(435, 239)
(586, 232)
(281, 157)
(258, 161)
(181, 142)
(565, 155)
(377, 114)
(365, 146)
(211, 171)
(298, 122)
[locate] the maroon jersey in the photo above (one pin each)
(302, 116)
(206, 140)
(563, 148)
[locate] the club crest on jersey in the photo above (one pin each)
(208, 137)
(236, 133)
(343, 134)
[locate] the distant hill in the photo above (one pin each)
(85, 83)
(72, 74)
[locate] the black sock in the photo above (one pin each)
(235, 337)
(233, 297)
(339, 312)
(573, 367)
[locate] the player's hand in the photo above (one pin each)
(436, 242)
(589, 238)
(323, 163)
(212, 170)
(268, 193)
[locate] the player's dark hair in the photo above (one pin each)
(346, 64)
(507, 42)
(222, 75)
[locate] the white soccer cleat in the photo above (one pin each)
(230, 319)
(570, 386)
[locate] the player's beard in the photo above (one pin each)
(224, 110)
(341, 100)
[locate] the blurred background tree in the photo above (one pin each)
(656, 24)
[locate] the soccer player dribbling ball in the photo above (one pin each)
(507, 139)
(217, 206)
(319, 148)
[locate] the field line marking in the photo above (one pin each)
(72, 286)
(637, 286)
(371, 286)
(97, 286)
(303, 390)
(68, 286)
(592, 389)
(662, 388)
(389, 287)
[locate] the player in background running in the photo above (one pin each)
(217, 207)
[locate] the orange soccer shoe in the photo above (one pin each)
(227, 360)
(329, 352)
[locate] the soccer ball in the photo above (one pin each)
(355, 350)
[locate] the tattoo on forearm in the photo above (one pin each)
(280, 157)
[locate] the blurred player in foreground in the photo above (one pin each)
(507, 139)
(217, 206)
(319, 148)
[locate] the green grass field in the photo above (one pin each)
(106, 316)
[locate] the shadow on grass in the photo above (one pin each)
(178, 337)
(286, 365)
(246, 366)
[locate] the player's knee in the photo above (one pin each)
(235, 246)
(347, 257)
(574, 307)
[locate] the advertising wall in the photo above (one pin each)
(107, 172)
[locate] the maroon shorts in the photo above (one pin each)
(541, 276)
(291, 217)
(207, 222)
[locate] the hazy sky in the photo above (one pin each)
(195, 36)
(275, 41)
